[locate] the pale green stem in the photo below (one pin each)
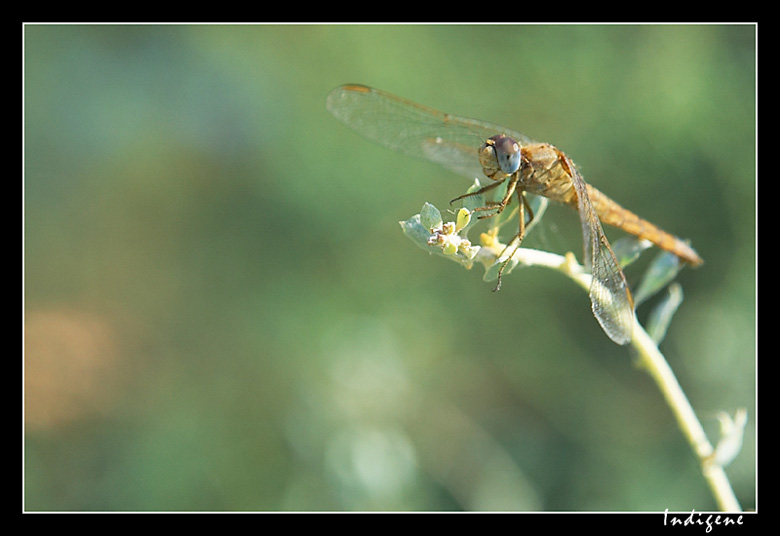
(652, 361)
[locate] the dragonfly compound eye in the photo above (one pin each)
(507, 153)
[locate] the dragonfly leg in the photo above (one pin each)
(477, 192)
(523, 201)
(510, 189)
(518, 239)
(497, 206)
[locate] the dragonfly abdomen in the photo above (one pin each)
(611, 213)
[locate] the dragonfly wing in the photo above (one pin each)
(610, 296)
(415, 130)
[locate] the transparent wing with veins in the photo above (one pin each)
(610, 297)
(416, 130)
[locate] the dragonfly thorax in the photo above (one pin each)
(499, 156)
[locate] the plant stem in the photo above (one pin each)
(654, 363)
(651, 360)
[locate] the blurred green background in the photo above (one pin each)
(221, 311)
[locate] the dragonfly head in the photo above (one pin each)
(499, 156)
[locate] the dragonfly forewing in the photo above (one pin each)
(415, 130)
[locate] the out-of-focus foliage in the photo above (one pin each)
(221, 312)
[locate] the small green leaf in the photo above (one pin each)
(661, 315)
(732, 431)
(430, 217)
(660, 273)
(463, 219)
(628, 249)
(415, 231)
(491, 272)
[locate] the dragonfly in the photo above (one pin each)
(475, 148)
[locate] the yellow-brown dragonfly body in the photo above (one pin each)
(473, 148)
(548, 173)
